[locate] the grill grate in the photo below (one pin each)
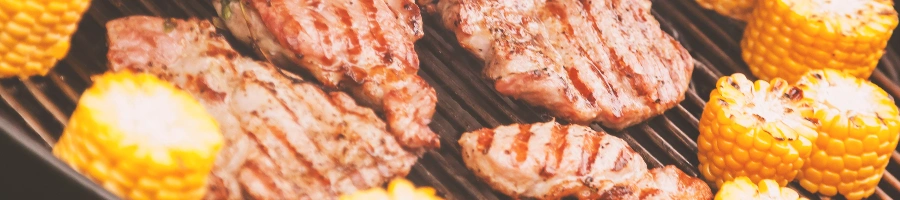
(34, 111)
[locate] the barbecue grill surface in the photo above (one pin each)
(33, 112)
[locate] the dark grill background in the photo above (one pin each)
(33, 112)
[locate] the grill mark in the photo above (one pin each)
(663, 59)
(558, 144)
(345, 18)
(213, 50)
(376, 31)
(354, 173)
(325, 36)
(280, 135)
(520, 145)
(580, 86)
(640, 84)
(621, 161)
(648, 192)
(589, 153)
(253, 167)
(282, 138)
(341, 133)
(485, 139)
(600, 72)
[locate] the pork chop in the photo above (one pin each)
(552, 161)
(583, 60)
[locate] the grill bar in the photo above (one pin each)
(30, 119)
(467, 101)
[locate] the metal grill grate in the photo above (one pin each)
(34, 111)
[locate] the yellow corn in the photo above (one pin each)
(859, 130)
(141, 138)
(34, 34)
(785, 38)
(737, 9)
(757, 130)
(767, 189)
(398, 189)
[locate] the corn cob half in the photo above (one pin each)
(737, 9)
(785, 38)
(141, 138)
(767, 189)
(757, 130)
(34, 34)
(858, 132)
(398, 189)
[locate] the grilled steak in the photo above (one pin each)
(285, 138)
(365, 47)
(599, 60)
(551, 161)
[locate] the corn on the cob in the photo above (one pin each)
(757, 130)
(767, 189)
(141, 138)
(859, 130)
(785, 38)
(737, 9)
(398, 189)
(34, 34)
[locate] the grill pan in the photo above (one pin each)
(33, 112)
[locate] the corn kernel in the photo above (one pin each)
(846, 35)
(744, 188)
(848, 155)
(26, 24)
(398, 189)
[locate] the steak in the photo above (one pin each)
(364, 47)
(552, 161)
(589, 60)
(284, 137)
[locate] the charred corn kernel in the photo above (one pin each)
(858, 132)
(398, 189)
(767, 189)
(757, 130)
(737, 9)
(34, 34)
(785, 38)
(141, 138)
